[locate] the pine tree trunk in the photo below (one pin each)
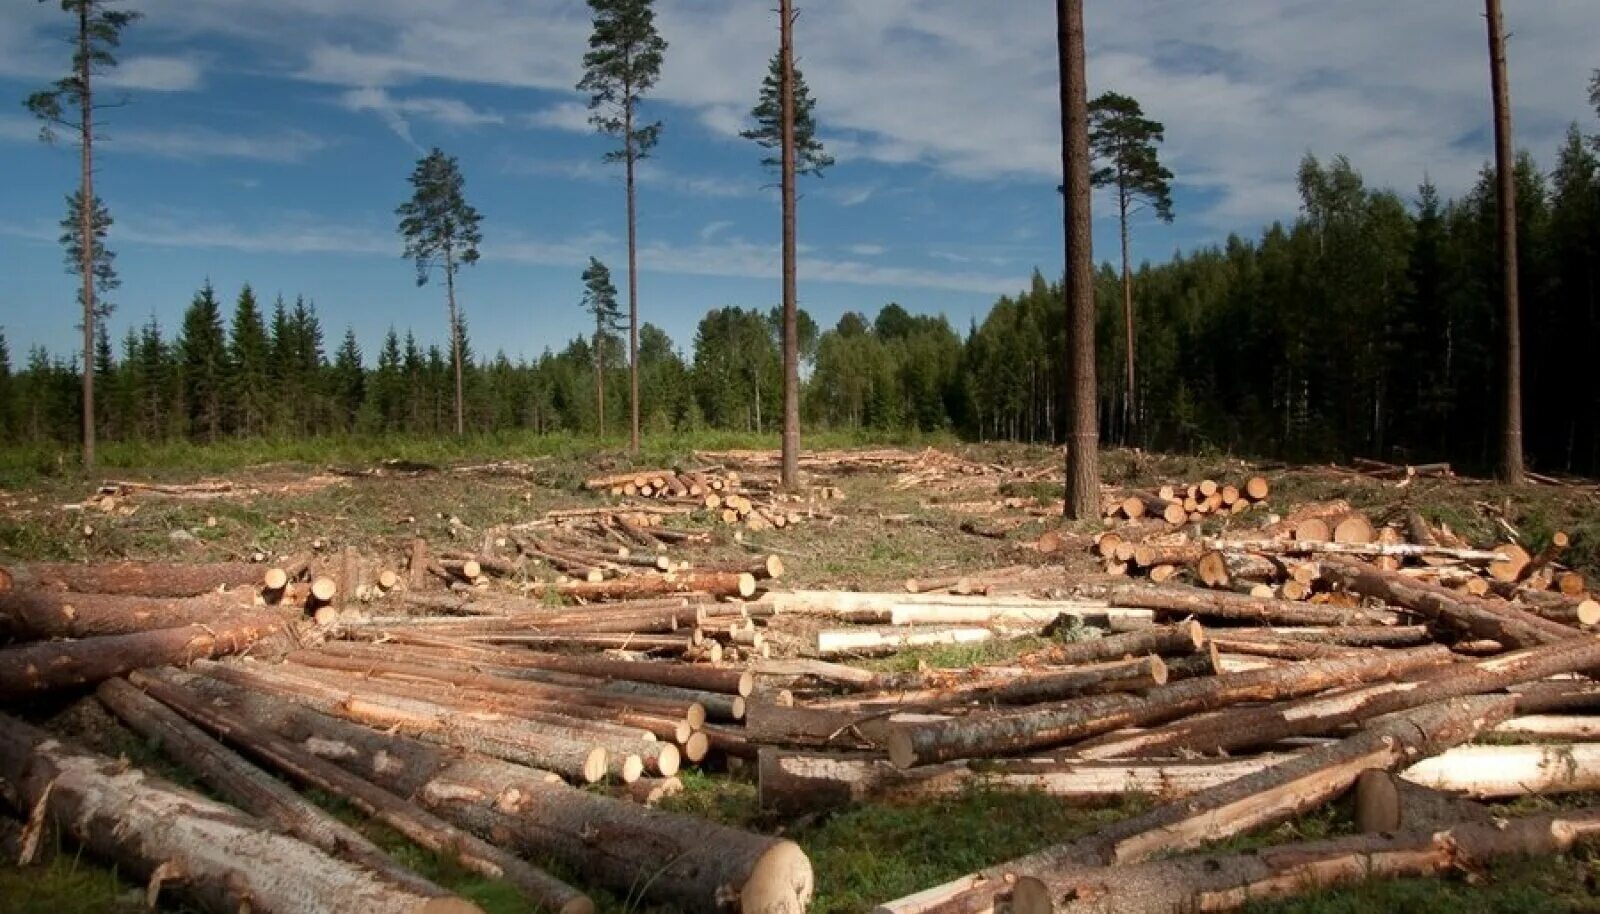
(629, 156)
(1083, 472)
(1506, 197)
(455, 333)
(599, 379)
(86, 227)
(1130, 405)
(791, 331)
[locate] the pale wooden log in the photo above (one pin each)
(1175, 640)
(1498, 772)
(44, 614)
(1227, 569)
(1569, 727)
(1278, 650)
(867, 642)
(718, 706)
(1147, 555)
(1325, 714)
(1225, 882)
(1358, 549)
(1257, 488)
(623, 641)
(1273, 795)
(943, 609)
(1354, 528)
(1348, 636)
(208, 854)
(718, 584)
(794, 782)
(1510, 567)
(1170, 599)
(835, 674)
(1128, 675)
(1052, 725)
(146, 579)
(47, 665)
(1507, 624)
(1141, 504)
(250, 788)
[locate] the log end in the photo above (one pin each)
(747, 585)
(747, 684)
(275, 579)
(324, 589)
(738, 708)
(594, 766)
(696, 715)
(781, 882)
(1589, 612)
(632, 769)
(668, 760)
(1195, 632)
(579, 905)
(1030, 895)
(1257, 488)
(774, 566)
(1158, 670)
(901, 751)
(696, 747)
(1175, 515)
(1377, 802)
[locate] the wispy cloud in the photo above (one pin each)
(156, 74)
(647, 172)
(868, 250)
(398, 112)
(189, 143)
(572, 117)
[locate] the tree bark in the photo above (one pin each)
(211, 855)
(46, 665)
(659, 856)
(1083, 471)
(631, 588)
(1504, 623)
(1234, 607)
(1130, 405)
(791, 332)
(630, 156)
(145, 579)
(1511, 468)
(41, 614)
(1386, 803)
(1267, 797)
(1052, 725)
(1180, 639)
(86, 211)
(250, 788)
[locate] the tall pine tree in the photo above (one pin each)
(600, 300)
(623, 63)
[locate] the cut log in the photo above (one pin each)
(1326, 714)
(1128, 675)
(1386, 803)
(835, 674)
(46, 665)
(248, 787)
(1267, 797)
(1225, 882)
(945, 609)
(866, 642)
(210, 855)
(44, 614)
(1147, 555)
(1143, 504)
(1354, 528)
(1510, 626)
(1166, 640)
(1231, 607)
(1309, 546)
(718, 584)
(146, 579)
(1545, 727)
(1348, 636)
(1498, 772)
(1509, 569)
(1053, 725)
(1226, 569)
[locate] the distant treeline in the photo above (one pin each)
(1370, 326)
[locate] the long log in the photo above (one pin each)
(1267, 797)
(1325, 714)
(46, 665)
(1568, 727)
(44, 614)
(880, 608)
(843, 676)
(794, 782)
(1386, 803)
(1503, 623)
(867, 642)
(210, 855)
(1359, 549)
(146, 579)
(250, 788)
(1051, 725)
(1176, 640)
(416, 824)
(1232, 607)
(1226, 882)
(1347, 636)
(1498, 772)
(718, 584)
(658, 856)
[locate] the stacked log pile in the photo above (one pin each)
(753, 502)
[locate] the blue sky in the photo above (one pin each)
(270, 143)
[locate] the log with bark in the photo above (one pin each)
(1272, 795)
(416, 824)
(869, 642)
(1175, 640)
(145, 579)
(1229, 569)
(250, 788)
(1506, 624)
(1387, 803)
(1357, 549)
(1228, 881)
(1052, 725)
(43, 614)
(1232, 607)
(718, 584)
(654, 855)
(210, 855)
(46, 665)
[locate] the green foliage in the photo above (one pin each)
(102, 259)
(250, 397)
(203, 364)
(623, 63)
(809, 156)
(1122, 138)
(97, 31)
(439, 226)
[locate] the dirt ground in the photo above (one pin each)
(889, 525)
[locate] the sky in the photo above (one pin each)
(271, 143)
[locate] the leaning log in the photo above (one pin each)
(1267, 797)
(1506, 624)
(211, 855)
(1232, 607)
(1052, 725)
(1386, 803)
(250, 788)
(44, 614)
(1176, 640)
(147, 579)
(416, 824)
(46, 665)
(717, 584)
(659, 856)
(1498, 772)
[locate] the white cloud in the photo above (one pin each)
(188, 143)
(397, 112)
(648, 173)
(868, 250)
(712, 229)
(155, 74)
(568, 116)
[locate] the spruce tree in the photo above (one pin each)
(1124, 141)
(249, 372)
(623, 63)
(348, 382)
(204, 360)
(69, 105)
(441, 230)
(600, 300)
(8, 429)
